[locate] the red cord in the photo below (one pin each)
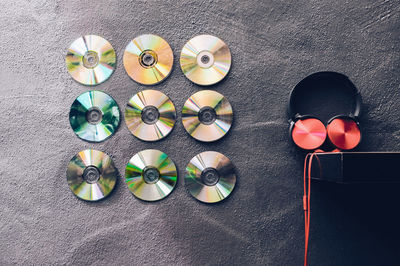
(307, 199)
(306, 203)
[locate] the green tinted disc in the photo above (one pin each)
(94, 116)
(91, 175)
(151, 175)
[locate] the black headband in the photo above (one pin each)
(347, 83)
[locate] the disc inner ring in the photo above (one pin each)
(90, 59)
(150, 115)
(150, 175)
(94, 115)
(91, 174)
(207, 115)
(210, 176)
(148, 58)
(205, 59)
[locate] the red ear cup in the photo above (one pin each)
(344, 133)
(309, 133)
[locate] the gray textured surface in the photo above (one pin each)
(274, 45)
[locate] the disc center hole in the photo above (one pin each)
(210, 176)
(207, 115)
(148, 58)
(150, 175)
(94, 115)
(205, 59)
(91, 174)
(90, 59)
(150, 114)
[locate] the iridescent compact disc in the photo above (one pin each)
(91, 175)
(148, 59)
(210, 177)
(150, 115)
(207, 115)
(94, 116)
(90, 60)
(205, 59)
(151, 175)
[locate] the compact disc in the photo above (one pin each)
(90, 60)
(205, 59)
(91, 175)
(148, 59)
(94, 116)
(210, 177)
(207, 115)
(150, 115)
(151, 175)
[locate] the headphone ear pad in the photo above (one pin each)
(344, 132)
(308, 133)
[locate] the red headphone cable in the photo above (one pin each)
(306, 203)
(307, 199)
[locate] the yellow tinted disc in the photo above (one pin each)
(150, 115)
(148, 59)
(207, 115)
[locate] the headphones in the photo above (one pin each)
(310, 133)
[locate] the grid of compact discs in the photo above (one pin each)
(150, 115)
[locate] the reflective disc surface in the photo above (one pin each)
(210, 177)
(207, 115)
(94, 116)
(148, 59)
(91, 175)
(150, 115)
(90, 60)
(151, 175)
(205, 59)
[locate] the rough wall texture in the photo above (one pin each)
(274, 45)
